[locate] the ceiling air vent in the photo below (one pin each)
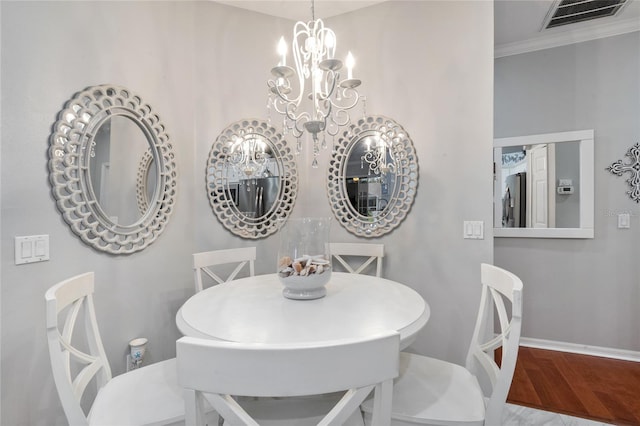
(566, 12)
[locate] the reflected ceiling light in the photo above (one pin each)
(378, 155)
(248, 155)
(319, 101)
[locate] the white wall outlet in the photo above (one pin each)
(130, 365)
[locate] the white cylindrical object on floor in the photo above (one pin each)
(138, 348)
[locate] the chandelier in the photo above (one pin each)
(378, 149)
(248, 155)
(319, 101)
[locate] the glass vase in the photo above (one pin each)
(304, 261)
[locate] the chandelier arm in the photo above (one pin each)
(330, 83)
(300, 55)
(296, 132)
(335, 118)
(376, 158)
(298, 122)
(280, 91)
(332, 130)
(290, 113)
(372, 158)
(288, 109)
(280, 106)
(246, 154)
(323, 108)
(348, 94)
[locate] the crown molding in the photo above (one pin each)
(567, 37)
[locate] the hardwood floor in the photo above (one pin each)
(596, 388)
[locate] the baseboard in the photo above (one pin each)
(622, 354)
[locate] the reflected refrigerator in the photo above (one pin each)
(256, 196)
(514, 201)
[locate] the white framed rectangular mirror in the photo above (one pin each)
(544, 185)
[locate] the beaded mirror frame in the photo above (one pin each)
(219, 180)
(71, 146)
(142, 184)
(403, 166)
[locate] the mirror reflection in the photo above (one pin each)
(544, 185)
(251, 178)
(118, 145)
(370, 175)
(540, 185)
(253, 190)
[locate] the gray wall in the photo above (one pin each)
(568, 167)
(579, 291)
(50, 51)
(428, 65)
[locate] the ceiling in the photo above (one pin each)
(300, 10)
(518, 26)
(518, 23)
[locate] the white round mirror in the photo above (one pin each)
(252, 179)
(118, 143)
(94, 168)
(372, 177)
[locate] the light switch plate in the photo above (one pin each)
(32, 248)
(624, 220)
(473, 229)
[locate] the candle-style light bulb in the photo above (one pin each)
(282, 51)
(350, 62)
(330, 43)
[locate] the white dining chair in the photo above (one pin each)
(204, 261)
(231, 375)
(144, 396)
(435, 392)
(350, 255)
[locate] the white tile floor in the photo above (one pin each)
(516, 415)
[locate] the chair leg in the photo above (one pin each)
(194, 408)
(382, 404)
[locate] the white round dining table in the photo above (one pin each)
(254, 310)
